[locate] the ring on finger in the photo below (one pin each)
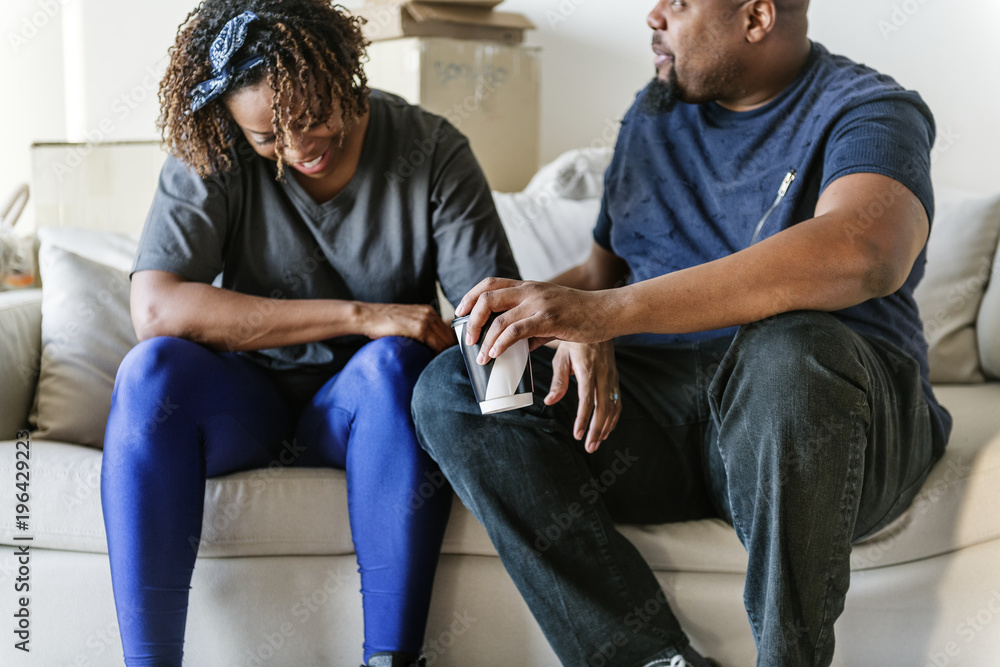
(614, 395)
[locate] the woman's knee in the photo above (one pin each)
(155, 362)
(394, 360)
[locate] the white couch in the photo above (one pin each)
(276, 582)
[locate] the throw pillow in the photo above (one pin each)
(550, 224)
(960, 254)
(86, 332)
(988, 324)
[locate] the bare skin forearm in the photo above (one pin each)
(227, 320)
(811, 267)
(578, 278)
(602, 270)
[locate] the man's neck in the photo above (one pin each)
(775, 74)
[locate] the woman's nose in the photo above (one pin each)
(300, 148)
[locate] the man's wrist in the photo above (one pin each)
(616, 312)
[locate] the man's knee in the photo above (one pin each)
(788, 351)
(438, 398)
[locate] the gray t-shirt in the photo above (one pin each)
(417, 210)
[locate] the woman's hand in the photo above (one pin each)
(597, 386)
(541, 312)
(420, 323)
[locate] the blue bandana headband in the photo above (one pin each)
(229, 41)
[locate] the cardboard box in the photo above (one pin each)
(489, 91)
(420, 19)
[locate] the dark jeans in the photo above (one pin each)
(801, 433)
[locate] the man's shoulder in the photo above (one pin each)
(841, 82)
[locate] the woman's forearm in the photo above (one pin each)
(164, 305)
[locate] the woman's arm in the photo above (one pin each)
(165, 304)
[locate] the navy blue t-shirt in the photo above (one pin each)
(690, 186)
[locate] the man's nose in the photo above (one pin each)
(657, 19)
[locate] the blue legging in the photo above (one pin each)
(181, 413)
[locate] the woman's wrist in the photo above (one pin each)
(361, 315)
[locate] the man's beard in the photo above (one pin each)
(660, 96)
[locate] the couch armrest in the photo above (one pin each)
(20, 349)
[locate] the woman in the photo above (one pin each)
(324, 212)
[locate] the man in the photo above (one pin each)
(758, 182)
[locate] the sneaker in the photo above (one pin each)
(686, 658)
(394, 659)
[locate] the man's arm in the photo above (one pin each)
(602, 270)
(840, 258)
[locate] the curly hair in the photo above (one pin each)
(313, 50)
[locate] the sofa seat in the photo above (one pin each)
(303, 511)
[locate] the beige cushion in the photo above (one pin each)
(86, 332)
(20, 338)
(988, 325)
(960, 255)
(550, 224)
(303, 511)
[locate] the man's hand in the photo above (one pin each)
(421, 323)
(597, 386)
(541, 312)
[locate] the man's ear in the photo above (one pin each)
(760, 20)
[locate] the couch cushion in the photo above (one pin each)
(86, 332)
(988, 325)
(960, 254)
(303, 511)
(549, 224)
(20, 340)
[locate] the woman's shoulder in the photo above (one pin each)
(177, 175)
(411, 121)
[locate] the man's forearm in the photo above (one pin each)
(812, 266)
(577, 278)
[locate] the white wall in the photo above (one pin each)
(32, 103)
(596, 56)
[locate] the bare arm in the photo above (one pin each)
(602, 270)
(837, 259)
(165, 304)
